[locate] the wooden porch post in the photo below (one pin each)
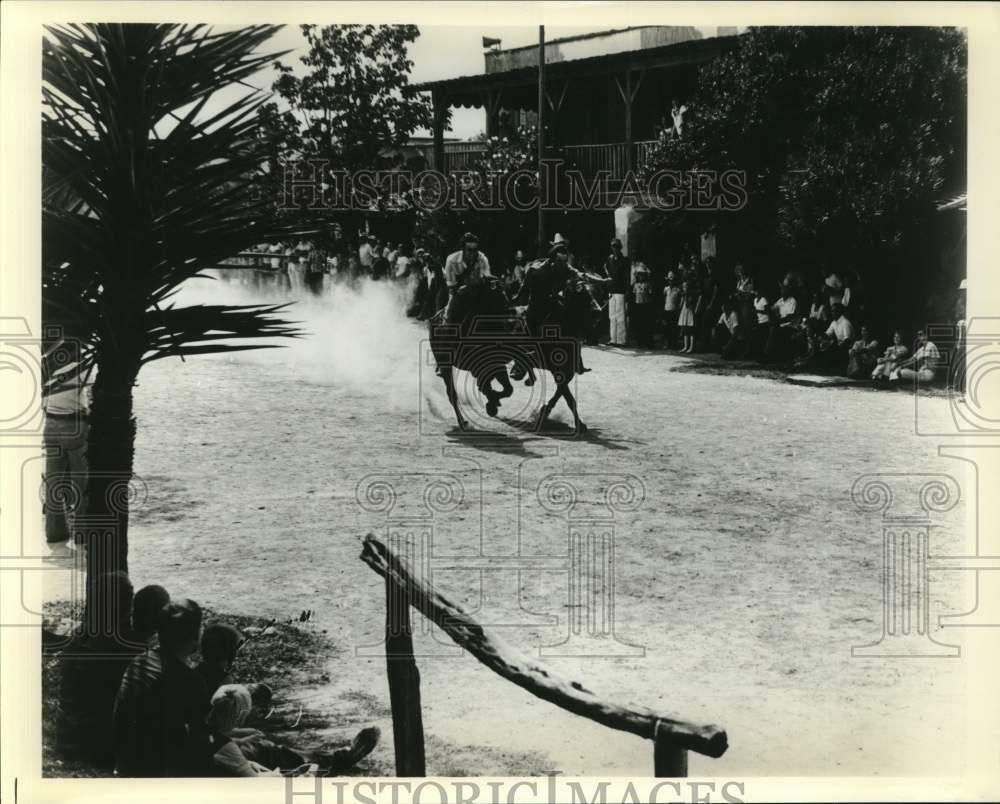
(439, 115)
(404, 684)
(492, 103)
(542, 241)
(628, 93)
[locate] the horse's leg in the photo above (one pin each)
(543, 414)
(571, 401)
(486, 389)
(506, 388)
(448, 375)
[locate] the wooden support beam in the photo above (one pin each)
(491, 101)
(555, 106)
(404, 684)
(531, 675)
(440, 113)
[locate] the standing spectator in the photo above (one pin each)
(862, 355)
(685, 318)
(617, 269)
(885, 366)
(643, 292)
(276, 250)
(711, 301)
(402, 263)
(833, 287)
(391, 255)
(671, 309)
(744, 302)
(366, 254)
(923, 365)
(65, 439)
(961, 325)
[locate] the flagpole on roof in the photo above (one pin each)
(541, 137)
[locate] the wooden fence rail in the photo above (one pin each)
(673, 737)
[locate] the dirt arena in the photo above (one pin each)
(746, 573)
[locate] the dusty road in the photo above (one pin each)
(745, 573)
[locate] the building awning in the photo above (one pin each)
(520, 86)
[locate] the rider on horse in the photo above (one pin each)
(546, 290)
(465, 272)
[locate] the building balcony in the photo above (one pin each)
(590, 160)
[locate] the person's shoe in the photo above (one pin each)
(361, 746)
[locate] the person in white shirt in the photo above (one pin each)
(784, 329)
(402, 262)
(922, 366)
(837, 340)
(464, 273)
(366, 254)
(726, 335)
(67, 408)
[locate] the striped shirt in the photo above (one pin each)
(159, 719)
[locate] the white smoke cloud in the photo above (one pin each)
(354, 334)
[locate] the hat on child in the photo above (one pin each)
(230, 706)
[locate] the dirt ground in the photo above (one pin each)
(746, 574)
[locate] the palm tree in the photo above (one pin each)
(145, 185)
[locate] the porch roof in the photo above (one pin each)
(519, 86)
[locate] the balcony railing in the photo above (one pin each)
(588, 159)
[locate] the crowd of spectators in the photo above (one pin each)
(818, 322)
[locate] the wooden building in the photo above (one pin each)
(609, 96)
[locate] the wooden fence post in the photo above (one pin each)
(404, 684)
(668, 760)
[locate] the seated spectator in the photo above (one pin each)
(836, 341)
(818, 319)
(922, 366)
(757, 339)
(159, 715)
(219, 645)
(92, 666)
(784, 328)
(147, 608)
(862, 355)
(230, 706)
(886, 364)
(726, 335)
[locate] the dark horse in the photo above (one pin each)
(494, 336)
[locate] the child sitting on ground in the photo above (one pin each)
(219, 645)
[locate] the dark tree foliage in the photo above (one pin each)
(353, 101)
(848, 138)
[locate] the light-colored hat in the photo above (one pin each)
(962, 284)
(559, 243)
(230, 706)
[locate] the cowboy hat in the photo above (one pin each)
(559, 243)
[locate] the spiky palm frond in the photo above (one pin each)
(143, 187)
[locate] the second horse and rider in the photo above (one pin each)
(479, 331)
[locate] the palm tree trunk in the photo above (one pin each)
(110, 454)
